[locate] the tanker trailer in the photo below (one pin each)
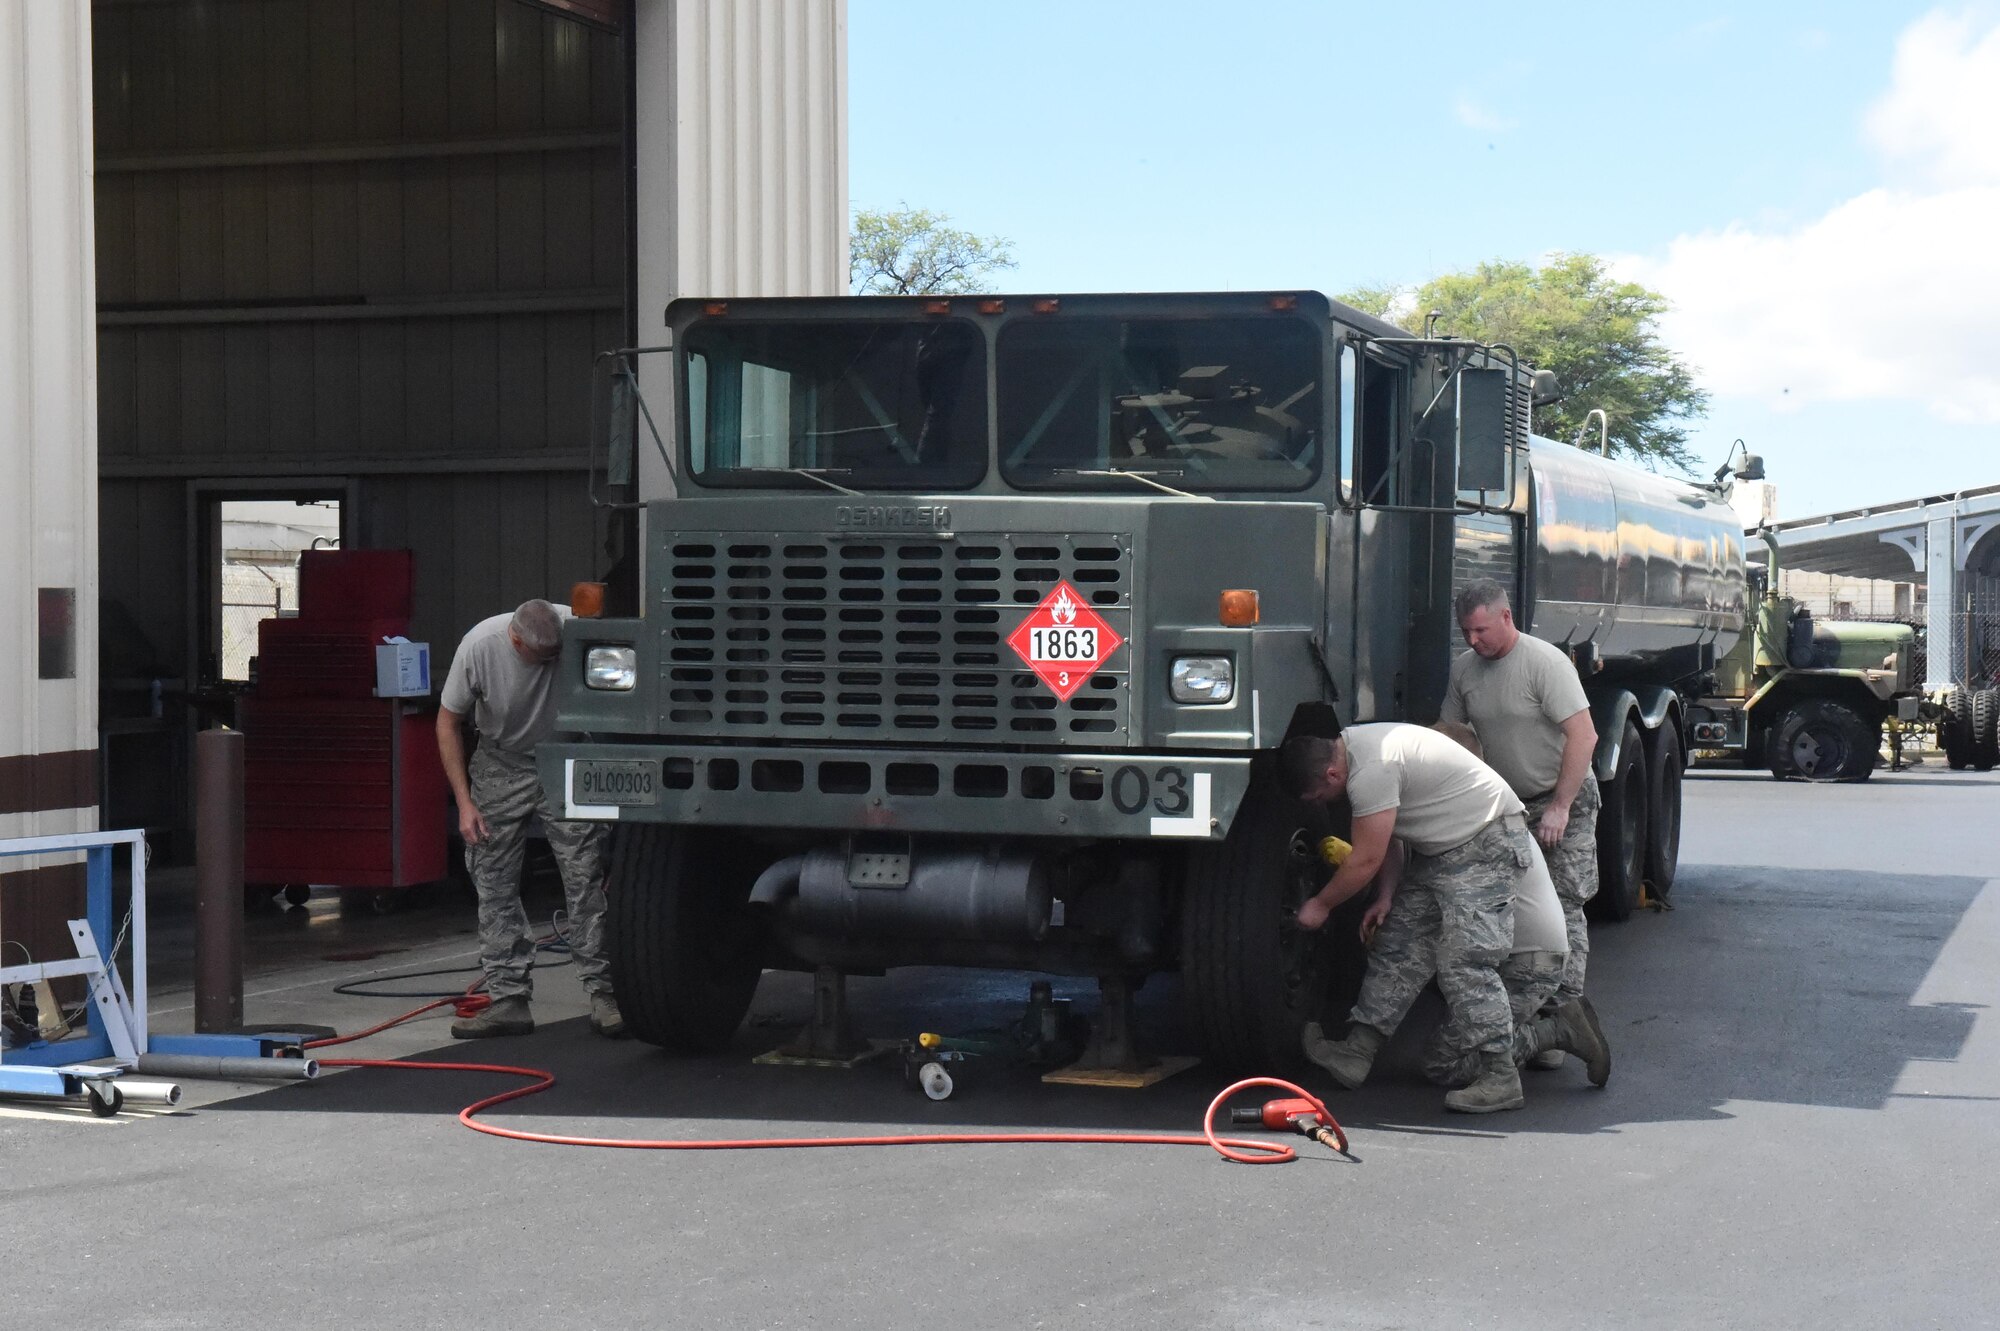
(1640, 579)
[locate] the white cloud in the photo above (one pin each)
(1888, 296)
(1484, 119)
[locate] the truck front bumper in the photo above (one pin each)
(1120, 795)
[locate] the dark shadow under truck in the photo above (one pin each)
(974, 622)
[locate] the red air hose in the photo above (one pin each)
(1241, 1150)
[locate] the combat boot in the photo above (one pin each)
(1547, 1061)
(1574, 1030)
(605, 1018)
(503, 1016)
(1346, 1061)
(1498, 1087)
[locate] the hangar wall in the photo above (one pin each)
(48, 497)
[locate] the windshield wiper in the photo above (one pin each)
(1143, 477)
(821, 475)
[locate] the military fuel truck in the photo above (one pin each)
(1809, 698)
(972, 625)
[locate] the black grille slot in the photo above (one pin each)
(886, 639)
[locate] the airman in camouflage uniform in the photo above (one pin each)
(1573, 866)
(1530, 979)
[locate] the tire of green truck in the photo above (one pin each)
(1621, 831)
(1955, 729)
(1251, 979)
(686, 954)
(1663, 807)
(1820, 739)
(1985, 729)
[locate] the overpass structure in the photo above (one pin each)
(1949, 542)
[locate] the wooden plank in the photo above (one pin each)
(473, 216)
(1127, 1081)
(470, 56)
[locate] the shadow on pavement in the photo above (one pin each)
(1772, 985)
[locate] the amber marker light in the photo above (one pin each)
(1282, 303)
(1046, 305)
(1239, 608)
(715, 309)
(992, 307)
(937, 307)
(586, 600)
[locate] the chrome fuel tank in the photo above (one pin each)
(1636, 564)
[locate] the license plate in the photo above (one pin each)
(617, 782)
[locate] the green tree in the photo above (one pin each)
(914, 252)
(1600, 336)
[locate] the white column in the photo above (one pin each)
(1942, 622)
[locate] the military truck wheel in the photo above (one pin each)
(1955, 729)
(685, 953)
(1985, 729)
(1621, 832)
(1663, 807)
(1250, 977)
(1819, 739)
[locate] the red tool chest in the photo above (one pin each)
(340, 786)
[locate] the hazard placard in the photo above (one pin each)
(1064, 641)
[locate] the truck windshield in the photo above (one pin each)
(1208, 404)
(867, 404)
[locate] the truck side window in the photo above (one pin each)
(1383, 419)
(1348, 389)
(697, 409)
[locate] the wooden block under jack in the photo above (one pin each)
(1120, 1078)
(778, 1058)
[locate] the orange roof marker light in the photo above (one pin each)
(1282, 303)
(992, 307)
(937, 307)
(715, 309)
(1239, 608)
(586, 600)
(1047, 305)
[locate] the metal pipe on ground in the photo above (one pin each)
(229, 1069)
(149, 1092)
(218, 900)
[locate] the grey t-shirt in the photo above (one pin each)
(1538, 914)
(1442, 794)
(512, 703)
(1518, 704)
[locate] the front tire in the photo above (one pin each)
(1985, 729)
(1621, 831)
(1819, 739)
(1251, 979)
(686, 954)
(1955, 729)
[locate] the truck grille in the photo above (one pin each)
(884, 639)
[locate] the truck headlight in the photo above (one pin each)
(1202, 679)
(610, 668)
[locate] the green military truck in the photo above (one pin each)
(1809, 698)
(971, 625)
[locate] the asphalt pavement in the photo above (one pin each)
(1802, 1130)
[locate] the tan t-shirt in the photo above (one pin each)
(1518, 704)
(1538, 914)
(1442, 795)
(512, 703)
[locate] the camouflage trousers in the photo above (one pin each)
(1530, 978)
(1573, 866)
(507, 792)
(1453, 917)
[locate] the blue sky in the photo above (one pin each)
(1806, 182)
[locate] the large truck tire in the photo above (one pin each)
(686, 954)
(1663, 807)
(1985, 729)
(1819, 739)
(1251, 979)
(1621, 831)
(1955, 728)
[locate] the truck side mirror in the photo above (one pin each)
(621, 437)
(1482, 429)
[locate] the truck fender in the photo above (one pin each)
(1651, 705)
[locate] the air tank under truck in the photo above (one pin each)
(972, 627)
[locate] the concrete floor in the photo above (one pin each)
(1803, 1129)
